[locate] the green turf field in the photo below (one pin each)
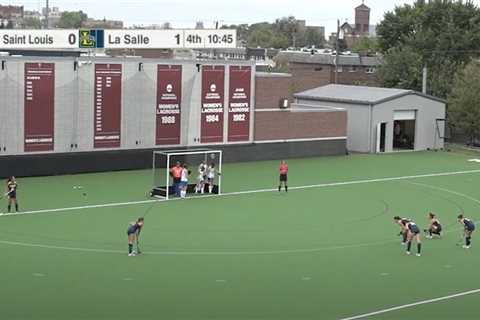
(322, 252)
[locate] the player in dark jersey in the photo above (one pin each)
(402, 222)
(413, 233)
(469, 227)
(12, 193)
(434, 228)
(133, 233)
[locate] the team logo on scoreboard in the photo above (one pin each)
(169, 88)
(213, 87)
(91, 38)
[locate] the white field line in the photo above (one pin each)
(219, 253)
(321, 185)
(453, 296)
(206, 252)
(446, 190)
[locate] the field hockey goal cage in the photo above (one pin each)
(200, 182)
(442, 133)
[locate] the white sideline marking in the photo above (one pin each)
(405, 306)
(322, 185)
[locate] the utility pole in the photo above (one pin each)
(336, 51)
(424, 82)
(47, 9)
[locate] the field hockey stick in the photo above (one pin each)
(138, 246)
(7, 193)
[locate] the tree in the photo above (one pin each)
(464, 101)
(313, 38)
(283, 33)
(442, 35)
(72, 20)
(32, 23)
(401, 68)
(366, 45)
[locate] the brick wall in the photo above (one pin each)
(310, 75)
(271, 88)
(307, 76)
(286, 124)
(360, 77)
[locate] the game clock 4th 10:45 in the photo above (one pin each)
(206, 40)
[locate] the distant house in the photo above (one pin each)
(314, 70)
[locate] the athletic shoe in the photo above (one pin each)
(403, 243)
(418, 254)
(465, 247)
(408, 253)
(429, 237)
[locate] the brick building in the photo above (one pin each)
(314, 70)
(11, 15)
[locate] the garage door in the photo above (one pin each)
(404, 115)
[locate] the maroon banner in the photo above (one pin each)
(39, 106)
(108, 105)
(239, 103)
(169, 99)
(213, 100)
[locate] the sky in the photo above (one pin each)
(185, 13)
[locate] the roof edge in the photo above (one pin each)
(364, 102)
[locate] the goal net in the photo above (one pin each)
(200, 167)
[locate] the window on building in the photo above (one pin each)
(340, 68)
(370, 70)
(353, 69)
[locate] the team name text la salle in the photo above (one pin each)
(129, 39)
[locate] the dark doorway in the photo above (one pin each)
(383, 132)
(404, 135)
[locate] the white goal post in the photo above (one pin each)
(199, 182)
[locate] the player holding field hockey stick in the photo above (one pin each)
(402, 222)
(413, 233)
(12, 193)
(469, 227)
(133, 233)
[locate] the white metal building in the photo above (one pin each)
(382, 119)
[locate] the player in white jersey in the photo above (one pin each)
(184, 181)
(202, 176)
(211, 177)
